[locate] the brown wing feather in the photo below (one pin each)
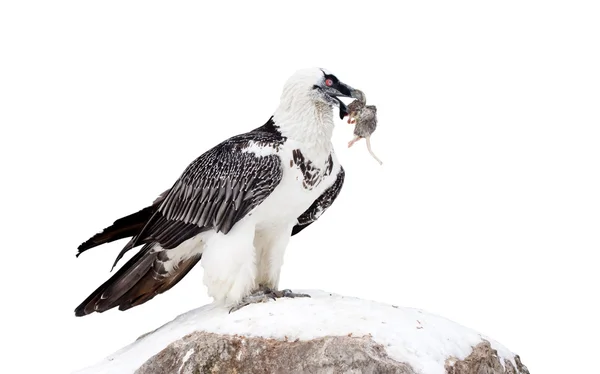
(110, 289)
(138, 281)
(149, 286)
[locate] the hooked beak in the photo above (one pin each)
(342, 90)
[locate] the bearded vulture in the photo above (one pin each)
(235, 207)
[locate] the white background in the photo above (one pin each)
(486, 210)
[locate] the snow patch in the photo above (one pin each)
(409, 335)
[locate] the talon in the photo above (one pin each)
(238, 307)
(292, 295)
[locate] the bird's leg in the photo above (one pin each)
(368, 139)
(351, 142)
(264, 294)
(261, 295)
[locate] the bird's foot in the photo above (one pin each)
(260, 296)
(264, 294)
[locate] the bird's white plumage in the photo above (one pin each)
(258, 150)
(229, 262)
(304, 117)
(183, 251)
(252, 252)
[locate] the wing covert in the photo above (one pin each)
(214, 192)
(320, 205)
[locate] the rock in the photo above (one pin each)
(205, 352)
(324, 334)
(484, 360)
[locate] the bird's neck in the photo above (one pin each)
(310, 124)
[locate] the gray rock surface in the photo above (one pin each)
(203, 352)
(484, 360)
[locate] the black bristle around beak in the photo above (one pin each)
(343, 109)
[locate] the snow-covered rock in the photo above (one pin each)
(325, 333)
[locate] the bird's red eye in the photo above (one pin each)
(328, 82)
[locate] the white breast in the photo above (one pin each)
(292, 196)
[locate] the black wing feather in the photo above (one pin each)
(125, 227)
(320, 205)
(214, 192)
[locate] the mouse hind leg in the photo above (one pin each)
(351, 142)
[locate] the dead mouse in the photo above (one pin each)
(365, 119)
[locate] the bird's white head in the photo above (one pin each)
(305, 110)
